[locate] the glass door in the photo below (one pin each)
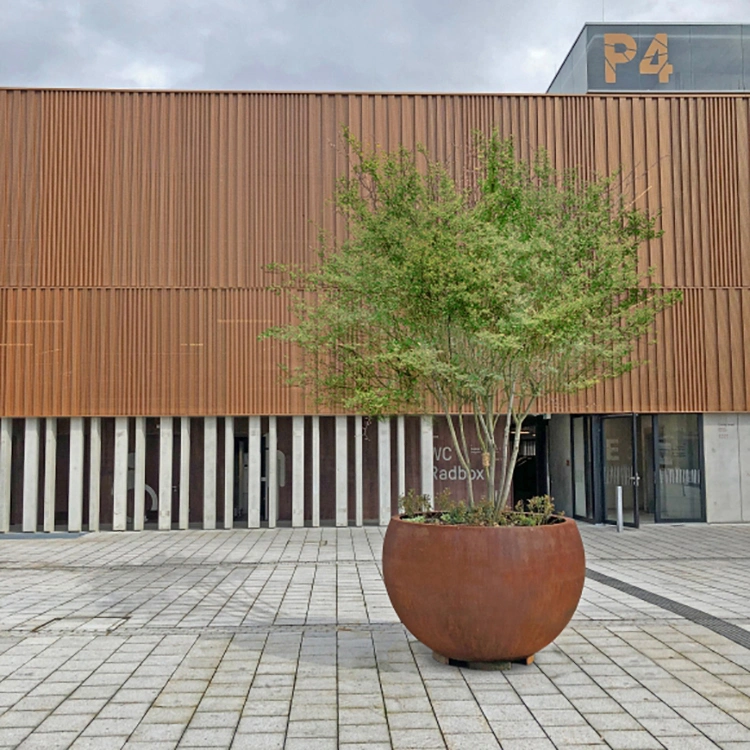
(583, 505)
(680, 493)
(619, 468)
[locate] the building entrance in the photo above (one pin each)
(619, 450)
(655, 459)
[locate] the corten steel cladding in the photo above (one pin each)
(474, 593)
(135, 228)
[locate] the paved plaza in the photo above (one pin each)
(285, 638)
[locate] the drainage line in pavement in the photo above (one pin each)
(734, 633)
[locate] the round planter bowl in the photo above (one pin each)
(473, 593)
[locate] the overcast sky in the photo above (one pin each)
(327, 45)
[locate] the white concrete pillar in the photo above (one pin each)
(6, 454)
(342, 472)
(184, 519)
(30, 474)
(358, 491)
(253, 473)
(384, 470)
(743, 428)
(228, 472)
(50, 469)
(401, 451)
(166, 444)
(75, 480)
(272, 470)
(139, 474)
(120, 487)
(315, 461)
(428, 457)
(210, 443)
(298, 471)
(95, 471)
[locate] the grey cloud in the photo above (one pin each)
(422, 45)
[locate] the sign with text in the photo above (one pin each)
(656, 57)
(668, 58)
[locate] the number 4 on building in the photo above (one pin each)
(655, 59)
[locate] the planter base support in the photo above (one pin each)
(487, 666)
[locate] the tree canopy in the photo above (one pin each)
(472, 300)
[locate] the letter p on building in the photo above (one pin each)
(618, 49)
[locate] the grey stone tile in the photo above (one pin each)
(728, 732)
(312, 728)
(411, 739)
(268, 741)
(574, 735)
(528, 744)
(485, 741)
(619, 739)
(310, 743)
(56, 741)
(350, 733)
(211, 737)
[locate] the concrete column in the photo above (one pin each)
(384, 470)
(401, 452)
(139, 477)
(6, 452)
(210, 442)
(75, 483)
(722, 462)
(272, 470)
(120, 487)
(184, 520)
(342, 472)
(253, 473)
(315, 461)
(228, 472)
(744, 445)
(358, 493)
(50, 469)
(95, 471)
(31, 474)
(166, 438)
(298, 471)
(428, 457)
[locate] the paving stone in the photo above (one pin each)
(250, 629)
(350, 733)
(258, 741)
(57, 741)
(213, 737)
(475, 741)
(619, 739)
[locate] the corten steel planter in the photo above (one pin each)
(480, 594)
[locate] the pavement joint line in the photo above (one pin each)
(155, 630)
(734, 633)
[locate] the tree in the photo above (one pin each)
(475, 301)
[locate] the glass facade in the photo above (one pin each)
(679, 468)
(655, 459)
(657, 57)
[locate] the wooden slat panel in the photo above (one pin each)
(134, 227)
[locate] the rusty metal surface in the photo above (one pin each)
(484, 594)
(134, 227)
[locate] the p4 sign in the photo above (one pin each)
(621, 49)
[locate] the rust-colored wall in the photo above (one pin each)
(134, 227)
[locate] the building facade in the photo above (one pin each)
(135, 227)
